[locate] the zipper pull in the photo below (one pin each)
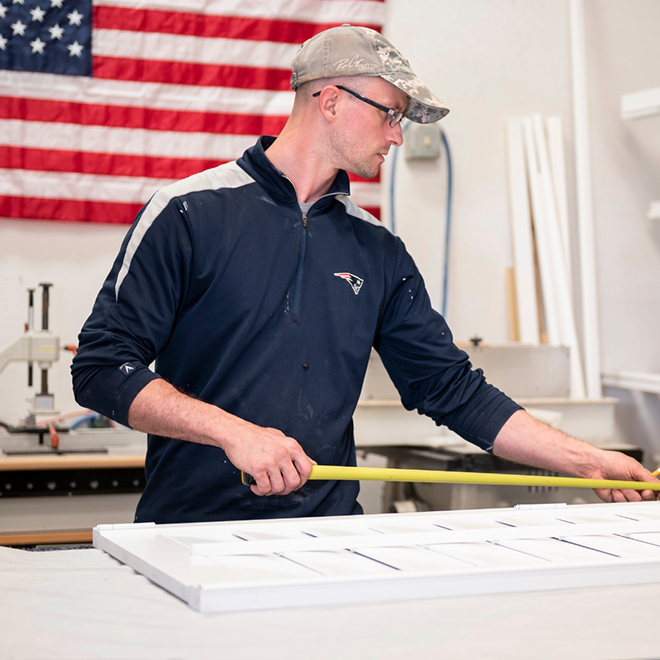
(304, 220)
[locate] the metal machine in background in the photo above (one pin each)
(62, 474)
(40, 347)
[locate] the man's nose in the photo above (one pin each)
(395, 135)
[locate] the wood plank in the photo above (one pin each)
(46, 537)
(512, 305)
(63, 462)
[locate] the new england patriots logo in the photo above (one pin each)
(355, 281)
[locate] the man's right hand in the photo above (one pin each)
(276, 462)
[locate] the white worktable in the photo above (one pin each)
(83, 604)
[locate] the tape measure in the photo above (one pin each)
(348, 473)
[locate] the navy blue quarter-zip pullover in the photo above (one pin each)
(248, 303)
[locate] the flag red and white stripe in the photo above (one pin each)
(178, 86)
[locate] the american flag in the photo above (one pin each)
(104, 102)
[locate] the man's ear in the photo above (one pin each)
(328, 100)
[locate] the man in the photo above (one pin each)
(259, 289)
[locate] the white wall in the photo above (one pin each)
(625, 52)
(489, 59)
(486, 59)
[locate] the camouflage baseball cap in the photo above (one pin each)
(359, 51)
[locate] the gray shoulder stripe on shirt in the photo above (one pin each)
(355, 210)
(229, 175)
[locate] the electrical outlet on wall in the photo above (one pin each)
(422, 141)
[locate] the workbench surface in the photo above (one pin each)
(81, 603)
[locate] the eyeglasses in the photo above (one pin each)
(395, 115)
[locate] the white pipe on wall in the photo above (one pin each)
(590, 329)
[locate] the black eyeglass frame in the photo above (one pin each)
(395, 115)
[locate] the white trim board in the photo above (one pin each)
(521, 229)
(272, 564)
(555, 135)
(552, 233)
(633, 380)
(640, 104)
(539, 213)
